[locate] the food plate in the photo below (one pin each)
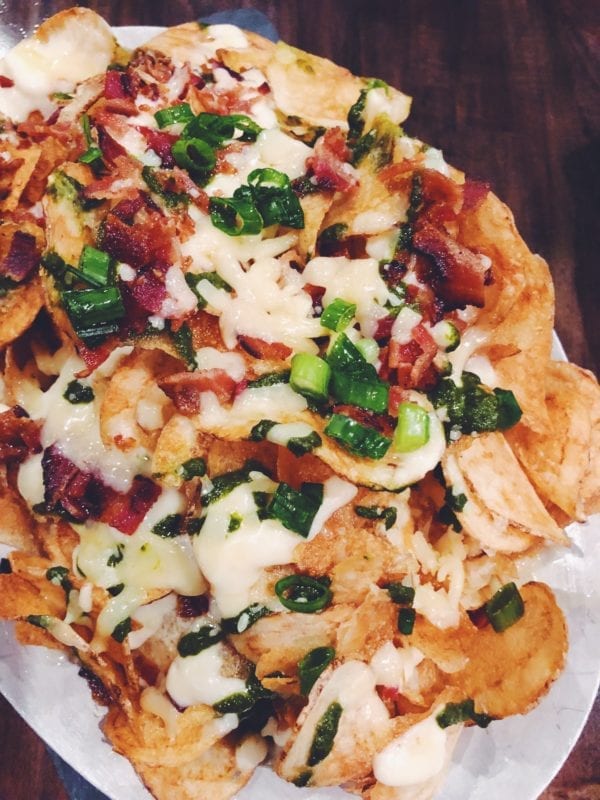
(513, 757)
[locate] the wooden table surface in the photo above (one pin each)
(510, 90)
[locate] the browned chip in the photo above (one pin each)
(502, 511)
(18, 309)
(509, 672)
(15, 173)
(563, 461)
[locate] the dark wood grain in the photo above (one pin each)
(510, 90)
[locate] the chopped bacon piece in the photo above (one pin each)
(115, 85)
(127, 209)
(261, 349)
(397, 395)
(6, 83)
(403, 353)
(111, 149)
(457, 275)
(22, 258)
(148, 289)
(190, 607)
(185, 388)
(19, 435)
(161, 142)
(145, 243)
(474, 193)
(82, 495)
(93, 357)
(124, 106)
(67, 489)
(126, 511)
(329, 164)
(381, 422)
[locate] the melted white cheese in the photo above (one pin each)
(415, 757)
(198, 679)
(470, 341)
(404, 324)
(395, 666)
(56, 62)
(150, 617)
(250, 753)
(231, 363)
(355, 280)
(336, 494)
(277, 402)
(233, 561)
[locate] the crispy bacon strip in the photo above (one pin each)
(185, 388)
(329, 164)
(19, 435)
(22, 258)
(457, 275)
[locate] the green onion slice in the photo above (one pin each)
(94, 312)
(77, 392)
(406, 620)
(303, 593)
(312, 665)
(310, 376)
(121, 630)
(350, 388)
(193, 468)
(454, 713)
(235, 216)
(412, 429)
(193, 643)
(245, 619)
(296, 510)
(505, 608)
(275, 198)
(194, 155)
(95, 266)
(358, 439)
(325, 731)
(401, 594)
(173, 115)
(216, 128)
(386, 513)
(169, 527)
(338, 315)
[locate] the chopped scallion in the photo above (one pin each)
(310, 376)
(412, 429)
(193, 643)
(505, 608)
(350, 388)
(312, 665)
(338, 315)
(358, 439)
(235, 216)
(95, 266)
(94, 312)
(78, 392)
(325, 731)
(173, 115)
(296, 510)
(406, 620)
(303, 594)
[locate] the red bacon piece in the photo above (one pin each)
(260, 349)
(185, 388)
(22, 258)
(329, 164)
(474, 193)
(137, 245)
(115, 85)
(95, 356)
(6, 83)
(148, 290)
(456, 274)
(161, 143)
(19, 435)
(67, 489)
(126, 511)
(111, 149)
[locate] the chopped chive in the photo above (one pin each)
(406, 620)
(505, 608)
(357, 438)
(325, 731)
(193, 468)
(310, 376)
(400, 594)
(386, 513)
(349, 388)
(412, 429)
(95, 266)
(303, 594)
(193, 643)
(296, 510)
(169, 527)
(78, 392)
(173, 115)
(121, 630)
(312, 665)
(245, 619)
(338, 315)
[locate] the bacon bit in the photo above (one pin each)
(439, 190)
(456, 273)
(261, 349)
(316, 293)
(115, 85)
(221, 102)
(160, 142)
(122, 183)
(6, 83)
(125, 107)
(224, 166)
(412, 361)
(479, 618)
(19, 435)
(329, 164)
(390, 696)
(189, 607)
(148, 290)
(22, 257)
(185, 388)
(398, 177)
(126, 511)
(474, 193)
(397, 395)
(127, 209)
(155, 65)
(422, 363)
(111, 149)
(181, 183)
(399, 354)
(93, 357)
(384, 329)
(146, 243)
(67, 489)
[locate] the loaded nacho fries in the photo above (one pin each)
(279, 414)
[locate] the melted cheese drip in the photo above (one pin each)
(211, 358)
(276, 402)
(150, 617)
(233, 561)
(76, 431)
(352, 685)
(56, 63)
(471, 341)
(355, 280)
(415, 757)
(199, 678)
(395, 666)
(157, 703)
